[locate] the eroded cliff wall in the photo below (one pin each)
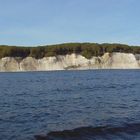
(73, 61)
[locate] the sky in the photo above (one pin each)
(42, 22)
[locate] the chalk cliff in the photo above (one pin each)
(73, 61)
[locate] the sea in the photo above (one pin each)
(70, 105)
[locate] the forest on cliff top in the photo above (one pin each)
(85, 49)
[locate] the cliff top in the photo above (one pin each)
(86, 49)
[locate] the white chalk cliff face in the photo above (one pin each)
(73, 61)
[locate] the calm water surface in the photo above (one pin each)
(98, 104)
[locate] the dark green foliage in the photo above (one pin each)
(37, 52)
(14, 51)
(86, 49)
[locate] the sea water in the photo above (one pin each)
(70, 105)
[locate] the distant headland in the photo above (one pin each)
(69, 56)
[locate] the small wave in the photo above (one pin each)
(85, 133)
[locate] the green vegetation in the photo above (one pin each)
(86, 49)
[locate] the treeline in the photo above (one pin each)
(86, 49)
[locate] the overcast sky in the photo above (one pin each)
(40, 22)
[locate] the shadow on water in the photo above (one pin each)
(86, 133)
